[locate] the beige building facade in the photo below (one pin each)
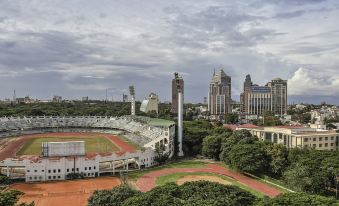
(298, 137)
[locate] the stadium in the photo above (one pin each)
(58, 148)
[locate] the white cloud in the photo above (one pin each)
(88, 46)
(308, 82)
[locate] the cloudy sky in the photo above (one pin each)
(76, 48)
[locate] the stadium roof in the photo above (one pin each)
(160, 122)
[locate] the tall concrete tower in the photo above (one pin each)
(132, 93)
(177, 80)
(180, 105)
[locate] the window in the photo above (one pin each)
(332, 144)
(49, 171)
(326, 144)
(320, 145)
(320, 139)
(59, 177)
(59, 170)
(314, 139)
(54, 171)
(35, 170)
(306, 140)
(94, 167)
(54, 177)
(67, 170)
(35, 178)
(332, 138)
(42, 170)
(77, 169)
(89, 168)
(72, 169)
(326, 138)
(85, 168)
(30, 178)
(49, 177)
(314, 145)
(27, 170)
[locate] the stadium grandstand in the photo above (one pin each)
(146, 133)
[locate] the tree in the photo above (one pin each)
(299, 177)
(269, 119)
(114, 197)
(277, 157)
(160, 156)
(319, 166)
(193, 193)
(215, 194)
(239, 136)
(247, 158)
(225, 132)
(194, 133)
(11, 197)
(211, 147)
(297, 199)
(231, 118)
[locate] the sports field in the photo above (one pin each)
(196, 170)
(63, 193)
(95, 143)
(92, 144)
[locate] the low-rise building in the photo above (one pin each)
(295, 136)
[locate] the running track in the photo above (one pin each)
(13, 146)
(148, 181)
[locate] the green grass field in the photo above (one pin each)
(162, 180)
(184, 164)
(92, 144)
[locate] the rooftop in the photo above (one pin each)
(160, 122)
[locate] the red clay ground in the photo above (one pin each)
(148, 181)
(64, 193)
(14, 144)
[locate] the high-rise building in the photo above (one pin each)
(205, 100)
(219, 95)
(124, 98)
(178, 81)
(57, 99)
(279, 96)
(255, 99)
(243, 96)
(85, 99)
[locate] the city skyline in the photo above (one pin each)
(75, 49)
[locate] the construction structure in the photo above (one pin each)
(151, 104)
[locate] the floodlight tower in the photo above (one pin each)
(180, 113)
(132, 93)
